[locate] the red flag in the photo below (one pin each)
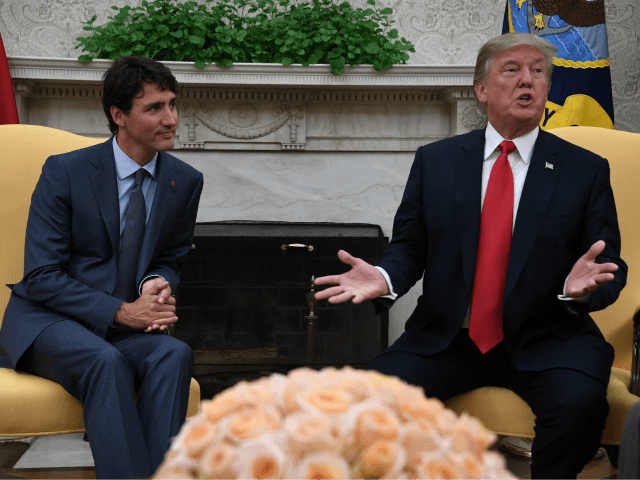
(8, 110)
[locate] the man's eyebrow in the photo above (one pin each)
(514, 61)
(160, 103)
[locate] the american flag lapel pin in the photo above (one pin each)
(548, 165)
(173, 184)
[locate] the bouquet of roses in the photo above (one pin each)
(330, 424)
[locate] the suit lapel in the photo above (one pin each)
(105, 188)
(167, 185)
(534, 202)
(468, 191)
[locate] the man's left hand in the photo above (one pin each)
(586, 275)
(160, 287)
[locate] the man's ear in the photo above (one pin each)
(117, 115)
(481, 92)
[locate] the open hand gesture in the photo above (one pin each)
(586, 275)
(362, 282)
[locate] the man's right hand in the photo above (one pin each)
(146, 311)
(362, 282)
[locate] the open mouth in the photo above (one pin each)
(524, 97)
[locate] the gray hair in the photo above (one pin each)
(503, 43)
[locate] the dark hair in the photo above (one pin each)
(123, 80)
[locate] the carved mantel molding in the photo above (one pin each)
(269, 106)
(69, 70)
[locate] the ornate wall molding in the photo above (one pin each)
(266, 107)
(252, 74)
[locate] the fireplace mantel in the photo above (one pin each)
(43, 70)
(269, 106)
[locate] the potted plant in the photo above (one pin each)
(251, 31)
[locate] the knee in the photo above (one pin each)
(580, 408)
(179, 354)
(110, 359)
(108, 363)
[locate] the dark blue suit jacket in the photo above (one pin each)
(563, 210)
(72, 242)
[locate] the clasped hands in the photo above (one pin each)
(154, 310)
(365, 282)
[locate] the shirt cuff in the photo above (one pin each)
(566, 298)
(147, 278)
(393, 295)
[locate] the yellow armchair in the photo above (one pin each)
(504, 412)
(31, 405)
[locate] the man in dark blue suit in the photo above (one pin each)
(109, 229)
(515, 234)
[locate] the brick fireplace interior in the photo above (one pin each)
(242, 300)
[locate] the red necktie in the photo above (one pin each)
(485, 324)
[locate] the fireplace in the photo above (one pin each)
(244, 307)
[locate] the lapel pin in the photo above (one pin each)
(548, 165)
(174, 183)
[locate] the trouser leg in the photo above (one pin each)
(458, 369)
(571, 409)
(96, 373)
(162, 366)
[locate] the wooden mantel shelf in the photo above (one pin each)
(268, 107)
(70, 71)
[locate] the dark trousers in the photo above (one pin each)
(570, 406)
(127, 439)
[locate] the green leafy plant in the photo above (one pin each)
(251, 31)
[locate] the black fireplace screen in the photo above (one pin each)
(242, 299)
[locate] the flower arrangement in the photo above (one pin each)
(330, 424)
(254, 31)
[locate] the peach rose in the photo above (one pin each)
(300, 381)
(414, 406)
(261, 458)
(376, 424)
(382, 460)
(495, 466)
(421, 436)
(321, 465)
(176, 464)
(470, 436)
(350, 380)
(172, 471)
(217, 461)
(468, 465)
(198, 435)
(385, 388)
(265, 391)
(441, 468)
(223, 404)
(325, 401)
(252, 423)
(446, 421)
(309, 433)
(367, 423)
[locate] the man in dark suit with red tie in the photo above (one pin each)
(515, 234)
(109, 229)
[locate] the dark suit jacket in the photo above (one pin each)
(72, 242)
(562, 212)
